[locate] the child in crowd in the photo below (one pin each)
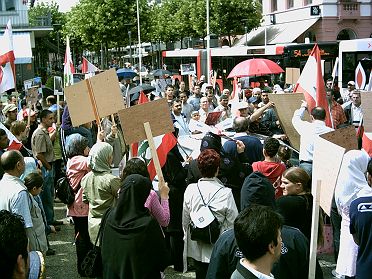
(271, 166)
(34, 183)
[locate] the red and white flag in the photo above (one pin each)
(7, 58)
(68, 69)
(88, 67)
(367, 143)
(360, 77)
(14, 143)
(311, 83)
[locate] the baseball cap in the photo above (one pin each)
(242, 105)
(9, 107)
(252, 100)
(351, 83)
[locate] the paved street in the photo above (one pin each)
(63, 264)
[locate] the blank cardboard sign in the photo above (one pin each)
(327, 161)
(367, 110)
(106, 98)
(156, 113)
(285, 105)
(344, 137)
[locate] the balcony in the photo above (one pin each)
(348, 10)
(20, 20)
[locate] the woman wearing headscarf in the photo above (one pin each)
(100, 187)
(133, 244)
(351, 184)
(76, 168)
(158, 209)
(209, 190)
(231, 172)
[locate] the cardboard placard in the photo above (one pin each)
(285, 106)
(156, 113)
(32, 95)
(327, 161)
(292, 75)
(344, 137)
(367, 110)
(106, 98)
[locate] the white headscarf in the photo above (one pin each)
(352, 182)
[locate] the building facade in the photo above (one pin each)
(291, 21)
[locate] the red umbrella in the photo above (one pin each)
(255, 67)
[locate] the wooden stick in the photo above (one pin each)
(314, 228)
(58, 112)
(93, 103)
(29, 114)
(154, 154)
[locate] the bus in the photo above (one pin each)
(224, 59)
(351, 52)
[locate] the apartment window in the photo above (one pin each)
(274, 5)
(7, 5)
(290, 4)
(308, 2)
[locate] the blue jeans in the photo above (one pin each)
(47, 195)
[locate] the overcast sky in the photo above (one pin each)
(64, 5)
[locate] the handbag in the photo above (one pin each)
(204, 226)
(91, 266)
(64, 190)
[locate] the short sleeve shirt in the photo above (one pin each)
(41, 143)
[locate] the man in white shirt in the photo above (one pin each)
(308, 132)
(346, 93)
(258, 235)
(179, 120)
(354, 115)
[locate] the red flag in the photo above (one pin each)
(311, 83)
(367, 143)
(88, 67)
(7, 73)
(142, 99)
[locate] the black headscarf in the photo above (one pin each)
(130, 214)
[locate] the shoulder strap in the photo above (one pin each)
(197, 185)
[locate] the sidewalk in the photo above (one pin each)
(63, 264)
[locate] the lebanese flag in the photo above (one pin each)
(14, 143)
(68, 68)
(163, 144)
(88, 67)
(142, 99)
(7, 58)
(367, 143)
(311, 83)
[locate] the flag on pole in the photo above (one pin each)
(163, 145)
(7, 58)
(88, 67)
(367, 143)
(68, 69)
(311, 83)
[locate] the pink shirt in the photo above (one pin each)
(77, 168)
(160, 211)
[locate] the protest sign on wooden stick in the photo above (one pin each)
(344, 137)
(94, 98)
(285, 106)
(326, 166)
(156, 113)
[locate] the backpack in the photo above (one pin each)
(204, 226)
(64, 191)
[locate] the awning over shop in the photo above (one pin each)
(277, 34)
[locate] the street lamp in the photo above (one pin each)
(56, 27)
(245, 30)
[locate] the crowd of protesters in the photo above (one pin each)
(258, 195)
